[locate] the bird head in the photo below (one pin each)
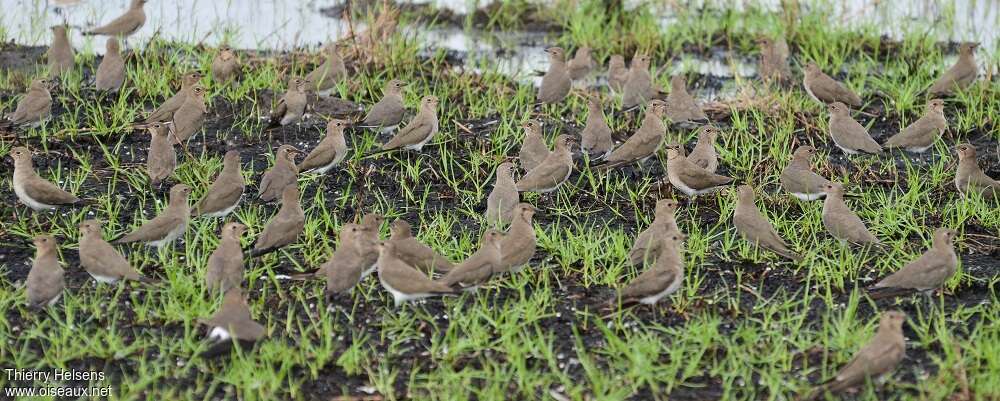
(555, 53)
(966, 151)
(20, 154)
(90, 227)
(400, 229)
(336, 125)
(837, 108)
(892, 321)
(944, 236)
(666, 206)
(937, 105)
(180, 192)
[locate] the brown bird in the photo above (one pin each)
(31, 189)
(284, 227)
(126, 24)
(503, 198)
(841, 221)
(420, 130)
(403, 281)
(518, 245)
(554, 170)
(60, 54)
(35, 107)
(533, 148)
(478, 268)
(349, 264)
(388, 112)
(45, 279)
(754, 227)
(414, 252)
(101, 260)
(688, 177)
(292, 106)
(681, 106)
(825, 89)
(225, 264)
(111, 71)
(169, 225)
(960, 75)
(774, 60)
(329, 152)
(326, 76)
(703, 155)
(189, 118)
(225, 192)
(969, 177)
(926, 273)
(166, 110)
(161, 159)
(371, 224)
(877, 358)
(921, 134)
(232, 323)
(282, 174)
(595, 139)
(645, 142)
(581, 65)
(647, 244)
(661, 279)
(556, 82)
(639, 87)
(798, 179)
(226, 65)
(617, 72)
(848, 134)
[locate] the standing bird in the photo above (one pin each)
(403, 281)
(225, 192)
(639, 87)
(35, 107)
(226, 65)
(420, 130)
(189, 118)
(617, 72)
(330, 152)
(414, 252)
(646, 247)
(166, 110)
(479, 267)
(798, 179)
(101, 260)
(533, 148)
(689, 178)
(518, 245)
(282, 174)
(970, 177)
(826, 90)
(169, 225)
(927, 273)
(582, 64)
(704, 155)
(876, 359)
(126, 24)
(284, 227)
(292, 106)
(60, 54)
(754, 227)
(841, 221)
(661, 279)
(774, 60)
(595, 139)
(556, 82)
(553, 171)
(232, 323)
(111, 71)
(960, 75)
(388, 112)
(161, 159)
(45, 279)
(646, 140)
(225, 264)
(681, 106)
(921, 134)
(31, 189)
(348, 265)
(326, 76)
(848, 134)
(503, 198)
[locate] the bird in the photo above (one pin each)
(921, 134)
(403, 281)
(282, 173)
(826, 90)
(60, 54)
(774, 60)
(639, 87)
(503, 198)
(924, 274)
(518, 244)
(326, 76)
(292, 106)
(553, 171)
(617, 72)
(647, 243)
(877, 358)
(232, 323)
(420, 130)
(226, 65)
(189, 118)
(35, 107)
(414, 252)
(166, 110)
(479, 267)
(45, 281)
(330, 152)
(798, 178)
(644, 143)
(848, 134)
(969, 177)
(161, 159)
(533, 148)
(225, 193)
(111, 71)
(284, 227)
(663, 278)
(388, 112)
(581, 64)
(225, 264)
(841, 221)
(688, 177)
(101, 260)
(704, 155)
(595, 139)
(31, 189)
(681, 106)
(960, 75)
(556, 82)
(754, 227)
(126, 24)
(169, 225)
(348, 265)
